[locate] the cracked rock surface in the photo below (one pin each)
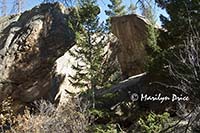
(30, 44)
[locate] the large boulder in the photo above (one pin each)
(30, 44)
(131, 30)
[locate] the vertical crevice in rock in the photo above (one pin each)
(31, 43)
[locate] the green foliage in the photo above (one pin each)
(154, 123)
(105, 129)
(182, 15)
(97, 113)
(106, 99)
(103, 121)
(153, 48)
(93, 71)
(116, 8)
(90, 44)
(152, 31)
(152, 38)
(183, 20)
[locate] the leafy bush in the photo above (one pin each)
(154, 123)
(108, 128)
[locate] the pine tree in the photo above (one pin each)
(183, 21)
(90, 42)
(116, 8)
(183, 14)
(152, 33)
(93, 69)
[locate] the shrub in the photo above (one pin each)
(7, 118)
(68, 118)
(108, 128)
(154, 123)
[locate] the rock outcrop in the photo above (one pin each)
(63, 73)
(30, 44)
(131, 30)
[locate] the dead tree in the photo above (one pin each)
(65, 2)
(17, 6)
(3, 8)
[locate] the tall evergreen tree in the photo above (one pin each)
(90, 42)
(116, 8)
(182, 23)
(152, 32)
(184, 16)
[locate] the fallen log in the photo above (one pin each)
(112, 97)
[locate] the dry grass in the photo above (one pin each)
(68, 118)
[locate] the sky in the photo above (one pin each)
(28, 4)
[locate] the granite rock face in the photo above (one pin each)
(131, 30)
(30, 44)
(34, 62)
